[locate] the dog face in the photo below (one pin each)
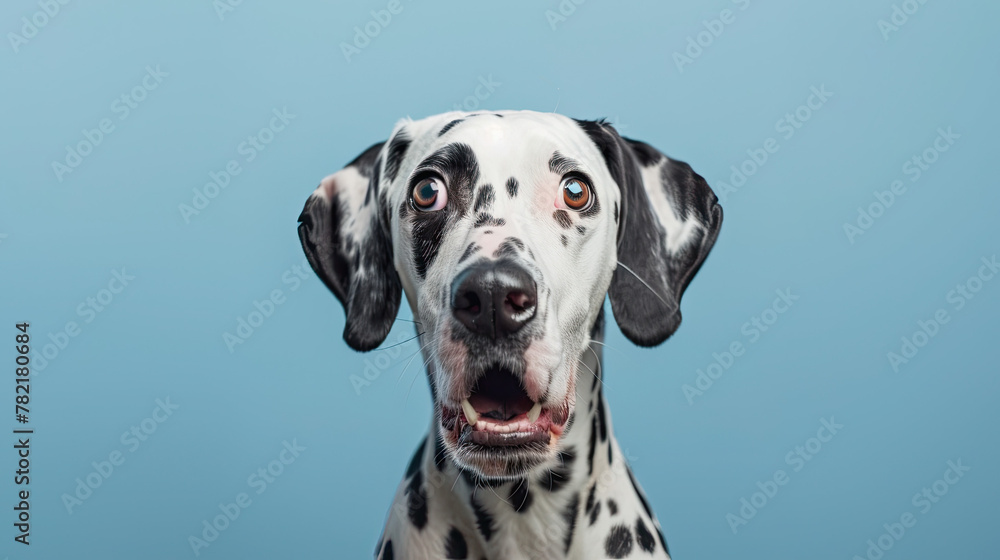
(506, 230)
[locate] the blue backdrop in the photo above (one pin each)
(155, 158)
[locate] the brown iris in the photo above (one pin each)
(426, 193)
(576, 193)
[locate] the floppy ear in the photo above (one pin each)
(667, 224)
(345, 235)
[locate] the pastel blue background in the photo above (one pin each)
(826, 356)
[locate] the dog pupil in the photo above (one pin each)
(428, 192)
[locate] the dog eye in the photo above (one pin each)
(429, 194)
(576, 193)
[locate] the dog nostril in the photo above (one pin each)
(519, 301)
(468, 302)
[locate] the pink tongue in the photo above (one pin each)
(496, 409)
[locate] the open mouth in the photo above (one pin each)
(498, 413)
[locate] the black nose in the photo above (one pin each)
(493, 299)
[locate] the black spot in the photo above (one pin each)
(593, 445)
(564, 240)
(508, 248)
(449, 126)
(488, 220)
(557, 477)
(616, 212)
(590, 497)
(440, 456)
(483, 518)
(619, 542)
(638, 492)
(455, 547)
(570, 516)
(520, 496)
(561, 165)
(512, 187)
(601, 420)
(610, 454)
(397, 150)
(416, 501)
(613, 507)
(581, 230)
(415, 460)
(497, 115)
(469, 251)
(563, 218)
(488, 232)
(643, 536)
(595, 513)
(387, 551)
(484, 200)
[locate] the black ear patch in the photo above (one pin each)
(647, 286)
(355, 263)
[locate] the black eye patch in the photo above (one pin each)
(457, 163)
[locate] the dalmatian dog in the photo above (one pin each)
(506, 230)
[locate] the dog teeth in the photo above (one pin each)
(470, 413)
(534, 413)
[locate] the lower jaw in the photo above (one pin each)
(501, 456)
(493, 439)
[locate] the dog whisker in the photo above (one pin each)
(590, 370)
(401, 343)
(650, 288)
(605, 345)
(398, 379)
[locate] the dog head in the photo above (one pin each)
(506, 230)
